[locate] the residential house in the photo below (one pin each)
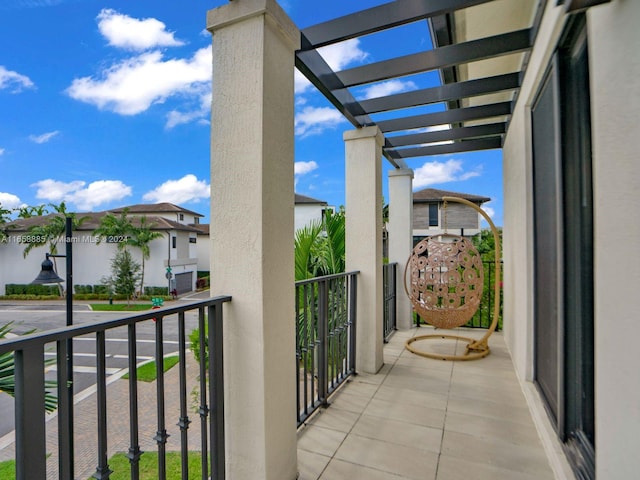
(176, 249)
(432, 216)
(308, 210)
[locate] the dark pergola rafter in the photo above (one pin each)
(468, 126)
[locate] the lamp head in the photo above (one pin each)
(47, 275)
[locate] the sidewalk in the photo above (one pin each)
(86, 432)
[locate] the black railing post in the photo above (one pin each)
(134, 443)
(323, 354)
(353, 308)
(183, 421)
(102, 470)
(203, 410)
(394, 300)
(216, 393)
(161, 434)
(65, 434)
(31, 455)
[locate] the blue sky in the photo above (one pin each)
(106, 103)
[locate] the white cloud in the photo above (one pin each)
(340, 55)
(134, 34)
(314, 120)
(43, 138)
(9, 200)
(2, 150)
(183, 190)
(337, 56)
(302, 168)
(100, 192)
(489, 210)
(388, 88)
(14, 81)
(85, 198)
(432, 173)
(54, 190)
(300, 82)
(133, 85)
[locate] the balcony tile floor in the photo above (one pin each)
(425, 419)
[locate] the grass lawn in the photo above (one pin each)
(120, 307)
(147, 372)
(119, 463)
(8, 470)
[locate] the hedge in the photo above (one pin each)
(28, 289)
(156, 291)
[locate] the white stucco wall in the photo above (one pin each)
(304, 214)
(614, 38)
(615, 105)
(91, 261)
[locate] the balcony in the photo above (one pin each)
(426, 419)
(417, 418)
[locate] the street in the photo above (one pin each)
(44, 317)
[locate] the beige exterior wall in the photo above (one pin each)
(615, 105)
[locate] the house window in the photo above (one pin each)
(174, 241)
(196, 220)
(192, 240)
(182, 216)
(433, 214)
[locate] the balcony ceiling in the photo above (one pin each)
(477, 62)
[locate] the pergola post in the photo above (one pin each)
(401, 237)
(363, 192)
(252, 200)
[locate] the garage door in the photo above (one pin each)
(184, 282)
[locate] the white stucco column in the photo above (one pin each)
(363, 195)
(252, 202)
(401, 237)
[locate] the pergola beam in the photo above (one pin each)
(457, 147)
(388, 15)
(442, 57)
(447, 134)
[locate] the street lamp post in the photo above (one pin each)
(65, 405)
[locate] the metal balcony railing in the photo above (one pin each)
(325, 338)
(389, 279)
(30, 432)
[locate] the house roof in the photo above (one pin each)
(202, 228)
(435, 195)
(302, 199)
(92, 221)
(164, 207)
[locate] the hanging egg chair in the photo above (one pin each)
(444, 281)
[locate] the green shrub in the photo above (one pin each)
(82, 289)
(156, 291)
(28, 289)
(194, 339)
(101, 289)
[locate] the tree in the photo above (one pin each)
(8, 377)
(320, 247)
(125, 274)
(32, 211)
(4, 218)
(143, 235)
(51, 232)
(118, 228)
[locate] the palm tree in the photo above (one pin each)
(320, 247)
(4, 218)
(52, 231)
(143, 235)
(8, 378)
(118, 228)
